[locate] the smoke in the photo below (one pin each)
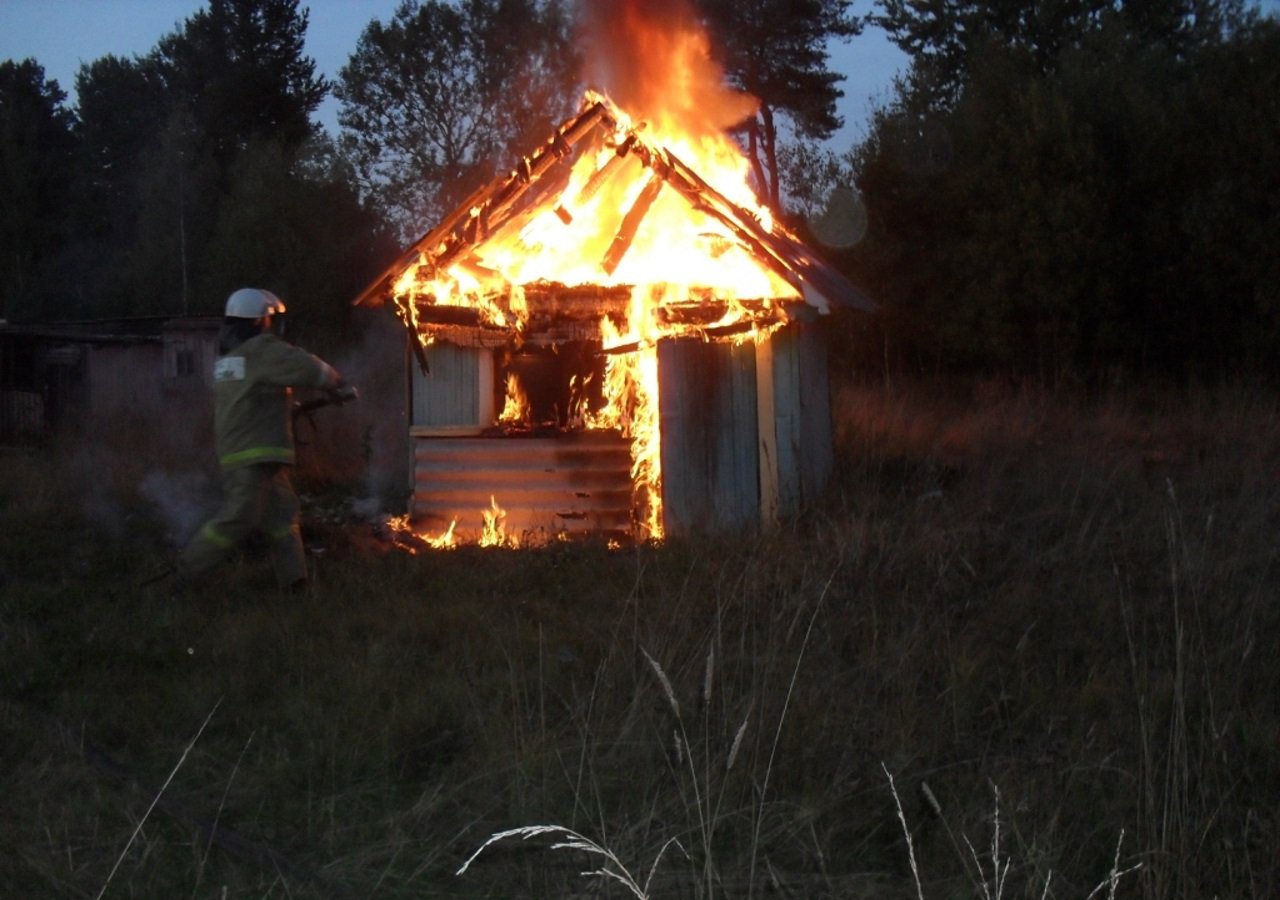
(373, 433)
(653, 59)
(105, 471)
(180, 501)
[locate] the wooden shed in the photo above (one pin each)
(59, 376)
(607, 343)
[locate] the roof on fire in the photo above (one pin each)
(491, 206)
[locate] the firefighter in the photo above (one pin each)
(253, 380)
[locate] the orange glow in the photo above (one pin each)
(617, 221)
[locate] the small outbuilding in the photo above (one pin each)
(60, 376)
(608, 342)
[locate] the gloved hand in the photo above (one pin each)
(343, 392)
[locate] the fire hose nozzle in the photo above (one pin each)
(331, 397)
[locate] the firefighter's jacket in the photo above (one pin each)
(252, 394)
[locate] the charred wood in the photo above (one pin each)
(621, 349)
(711, 312)
(557, 334)
(430, 314)
(587, 301)
(733, 329)
(612, 166)
(464, 336)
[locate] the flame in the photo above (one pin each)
(515, 410)
(443, 541)
(405, 537)
(495, 528)
(617, 222)
(631, 392)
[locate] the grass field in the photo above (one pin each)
(1040, 631)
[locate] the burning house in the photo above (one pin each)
(615, 338)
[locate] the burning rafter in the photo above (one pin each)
(487, 204)
(494, 209)
(631, 223)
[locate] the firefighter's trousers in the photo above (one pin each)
(255, 498)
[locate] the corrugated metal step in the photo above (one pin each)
(576, 483)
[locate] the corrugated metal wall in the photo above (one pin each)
(575, 483)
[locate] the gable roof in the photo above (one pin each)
(536, 183)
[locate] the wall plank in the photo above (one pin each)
(710, 439)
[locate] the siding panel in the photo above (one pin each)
(710, 468)
(458, 389)
(816, 457)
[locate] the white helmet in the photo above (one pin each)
(253, 303)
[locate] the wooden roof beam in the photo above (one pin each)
(631, 223)
(494, 199)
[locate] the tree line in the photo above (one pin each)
(1081, 190)
(179, 175)
(1076, 189)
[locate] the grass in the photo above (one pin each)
(1068, 601)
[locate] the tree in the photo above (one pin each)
(946, 37)
(776, 51)
(436, 100)
(232, 77)
(198, 170)
(1105, 208)
(295, 224)
(177, 191)
(122, 111)
(36, 147)
(236, 71)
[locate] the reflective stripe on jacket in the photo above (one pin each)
(251, 394)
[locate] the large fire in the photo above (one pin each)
(629, 215)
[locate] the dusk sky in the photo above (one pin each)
(62, 34)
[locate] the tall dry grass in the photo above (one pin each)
(1069, 601)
